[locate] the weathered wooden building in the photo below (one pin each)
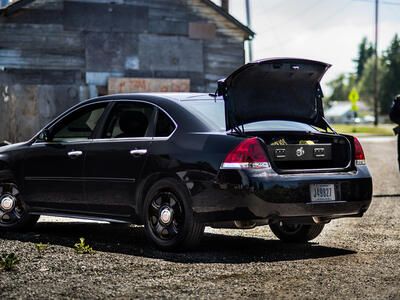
(54, 53)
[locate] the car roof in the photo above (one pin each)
(169, 102)
(176, 97)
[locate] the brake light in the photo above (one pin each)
(359, 157)
(249, 154)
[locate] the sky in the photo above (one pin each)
(325, 30)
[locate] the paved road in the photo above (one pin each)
(353, 258)
(381, 154)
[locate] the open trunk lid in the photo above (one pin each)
(274, 89)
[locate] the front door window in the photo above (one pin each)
(78, 126)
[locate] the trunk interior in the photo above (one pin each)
(291, 152)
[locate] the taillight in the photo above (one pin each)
(359, 157)
(249, 154)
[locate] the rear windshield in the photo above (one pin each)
(277, 125)
(213, 113)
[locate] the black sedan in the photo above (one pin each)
(259, 151)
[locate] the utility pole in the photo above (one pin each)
(376, 112)
(248, 20)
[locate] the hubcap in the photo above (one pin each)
(7, 203)
(165, 216)
(11, 208)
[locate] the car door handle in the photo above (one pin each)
(74, 154)
(138, 152)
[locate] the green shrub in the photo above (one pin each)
(41, 248)
(8, 261)
(82, 247)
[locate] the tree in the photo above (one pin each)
(390, 84)
(365, 52)
(365, 85)
(341, 87)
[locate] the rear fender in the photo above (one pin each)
(145, 185)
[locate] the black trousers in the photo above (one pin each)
(398, 150)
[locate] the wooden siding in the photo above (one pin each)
(163, 53)
(26, 108)
(63, 51)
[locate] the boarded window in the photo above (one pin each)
(201, 30)
(129, 85)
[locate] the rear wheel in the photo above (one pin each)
(13, 211)
(296, 233)
(168, 217)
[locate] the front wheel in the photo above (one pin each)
(13, 211)
(168, 217)
(296, 233)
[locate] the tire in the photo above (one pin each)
(16, 217)
(168, 217)
(296, 233)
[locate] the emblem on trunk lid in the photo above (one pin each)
(300, 152)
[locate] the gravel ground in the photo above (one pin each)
(353, 258)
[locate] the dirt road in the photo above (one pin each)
(353, 258)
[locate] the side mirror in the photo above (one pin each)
(44, 135)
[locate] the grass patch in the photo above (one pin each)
(383, 129)
(8, 261)
(41, 248)
(82, 247)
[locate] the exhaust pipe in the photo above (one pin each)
(245, 224)
(321, 220)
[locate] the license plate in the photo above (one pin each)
(322, 192)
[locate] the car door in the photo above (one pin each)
(53, 166)
(114, 159)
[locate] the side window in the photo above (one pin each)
(79, 125)
(129, 120)
(164, 126)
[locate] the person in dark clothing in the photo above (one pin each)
(394, 115)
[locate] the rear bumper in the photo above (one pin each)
(243, 195)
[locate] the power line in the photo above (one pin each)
(390, 3)
(292, 19)
(381, 2)
(329, 17)
(272, 7)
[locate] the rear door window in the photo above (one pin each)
(165, 126)
(129, 120)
